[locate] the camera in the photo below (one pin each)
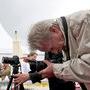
(11, 60)
(37, 65)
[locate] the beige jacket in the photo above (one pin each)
(78, 68)
(5, 72)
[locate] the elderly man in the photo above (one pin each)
(49, 35)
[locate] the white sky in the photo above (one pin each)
(5, 39)
(20, 14)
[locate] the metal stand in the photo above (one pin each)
(15, 71)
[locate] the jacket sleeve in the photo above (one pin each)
(6, 71)
(78, 68)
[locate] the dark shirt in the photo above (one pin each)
(55, 83)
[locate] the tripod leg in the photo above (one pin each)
(9, 84)
(21, 87)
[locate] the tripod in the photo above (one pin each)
(15, 71)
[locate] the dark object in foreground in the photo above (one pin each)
(54, 82)
(11, 60)
(14, 61)
(37, 65)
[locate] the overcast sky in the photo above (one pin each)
(20, 14)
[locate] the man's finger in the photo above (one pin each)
(16, 79)
(16, 75)
(18, 84)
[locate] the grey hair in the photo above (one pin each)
(39, 32)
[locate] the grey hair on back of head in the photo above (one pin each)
(39, 32)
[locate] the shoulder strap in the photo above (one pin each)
(65, 26)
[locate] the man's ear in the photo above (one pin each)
(54, 28)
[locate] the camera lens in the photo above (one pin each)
(13, 61)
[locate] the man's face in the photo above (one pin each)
(54, 45)
(33, 57)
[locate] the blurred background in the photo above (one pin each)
(17, 16)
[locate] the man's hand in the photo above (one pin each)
(48, 71)
(21, 78)
(27, 59)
